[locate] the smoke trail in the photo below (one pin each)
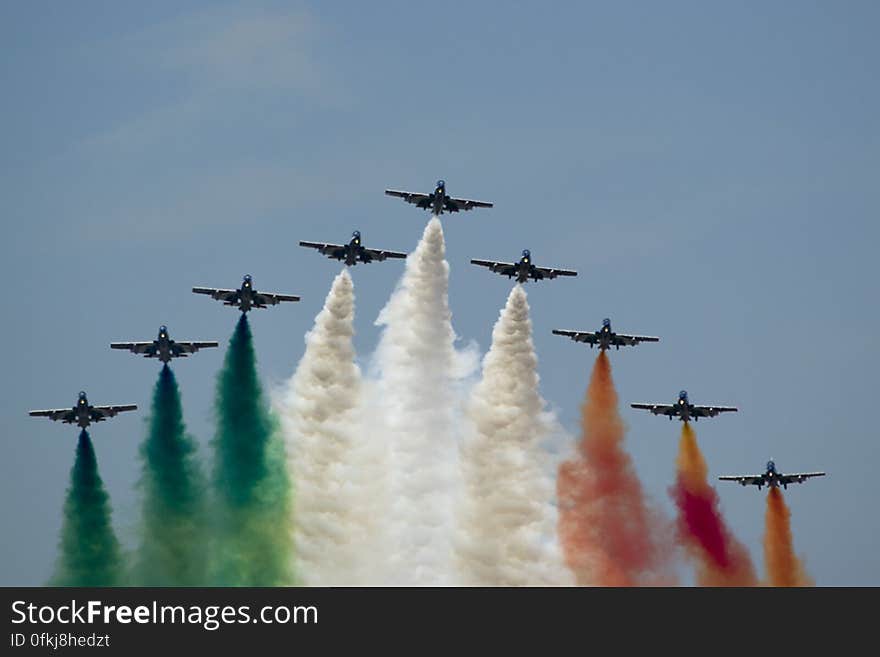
(721, 559)
(610, 534)
(415, 391)
(253, 499)
(328, 457)
(89, 552)
(783, 566)
(172, 551)
(505, 519)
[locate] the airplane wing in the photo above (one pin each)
(456, 204)
(332, 250)
(193, 347)
(589, 337)
(745, 480)
(550, 272)
(272, 298)
(421, 200)
(134, 347)
(379, 254)
(216, 293)
(657, 409)
(505, 268)
(64, 414)
(631, 340)
(712, 411)
(99, 413)
(799, 477)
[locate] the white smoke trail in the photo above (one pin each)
(331, 467)
(506, 522)
(418, 371)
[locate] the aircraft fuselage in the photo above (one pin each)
(83, 419)
(83, 415)
(163, 347)
(244, 301)
(438, 201)
(524, 269)
(354, 252)
(683, 409)
(163, 353)
(772, 479)
(605, 337)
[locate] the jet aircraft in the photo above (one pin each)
(83, 413)
(523, 270)
(438, 201)
(163, 347)
(771, 477)
(684, 410)
(605, 338)
(353, 252)
(245, 297)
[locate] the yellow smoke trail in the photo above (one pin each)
(784, 568)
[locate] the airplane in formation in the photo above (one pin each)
(523, 270)
(83, 413)
(605, 338)
(245, 297)
(771, 477)
(684, 410)
(353, 252)
(163, 347)
(438, 201)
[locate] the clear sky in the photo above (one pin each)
(711, 169)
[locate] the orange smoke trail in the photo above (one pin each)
(609, 535)
(783, 566)
(721, 559)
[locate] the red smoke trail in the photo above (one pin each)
(721, 559)
(609, 534)
(783, 566)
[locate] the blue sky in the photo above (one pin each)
(710, 169)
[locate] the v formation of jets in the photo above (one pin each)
(246, 297)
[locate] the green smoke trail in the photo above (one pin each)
(253, 545)
(89, 552)
(172, 550)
